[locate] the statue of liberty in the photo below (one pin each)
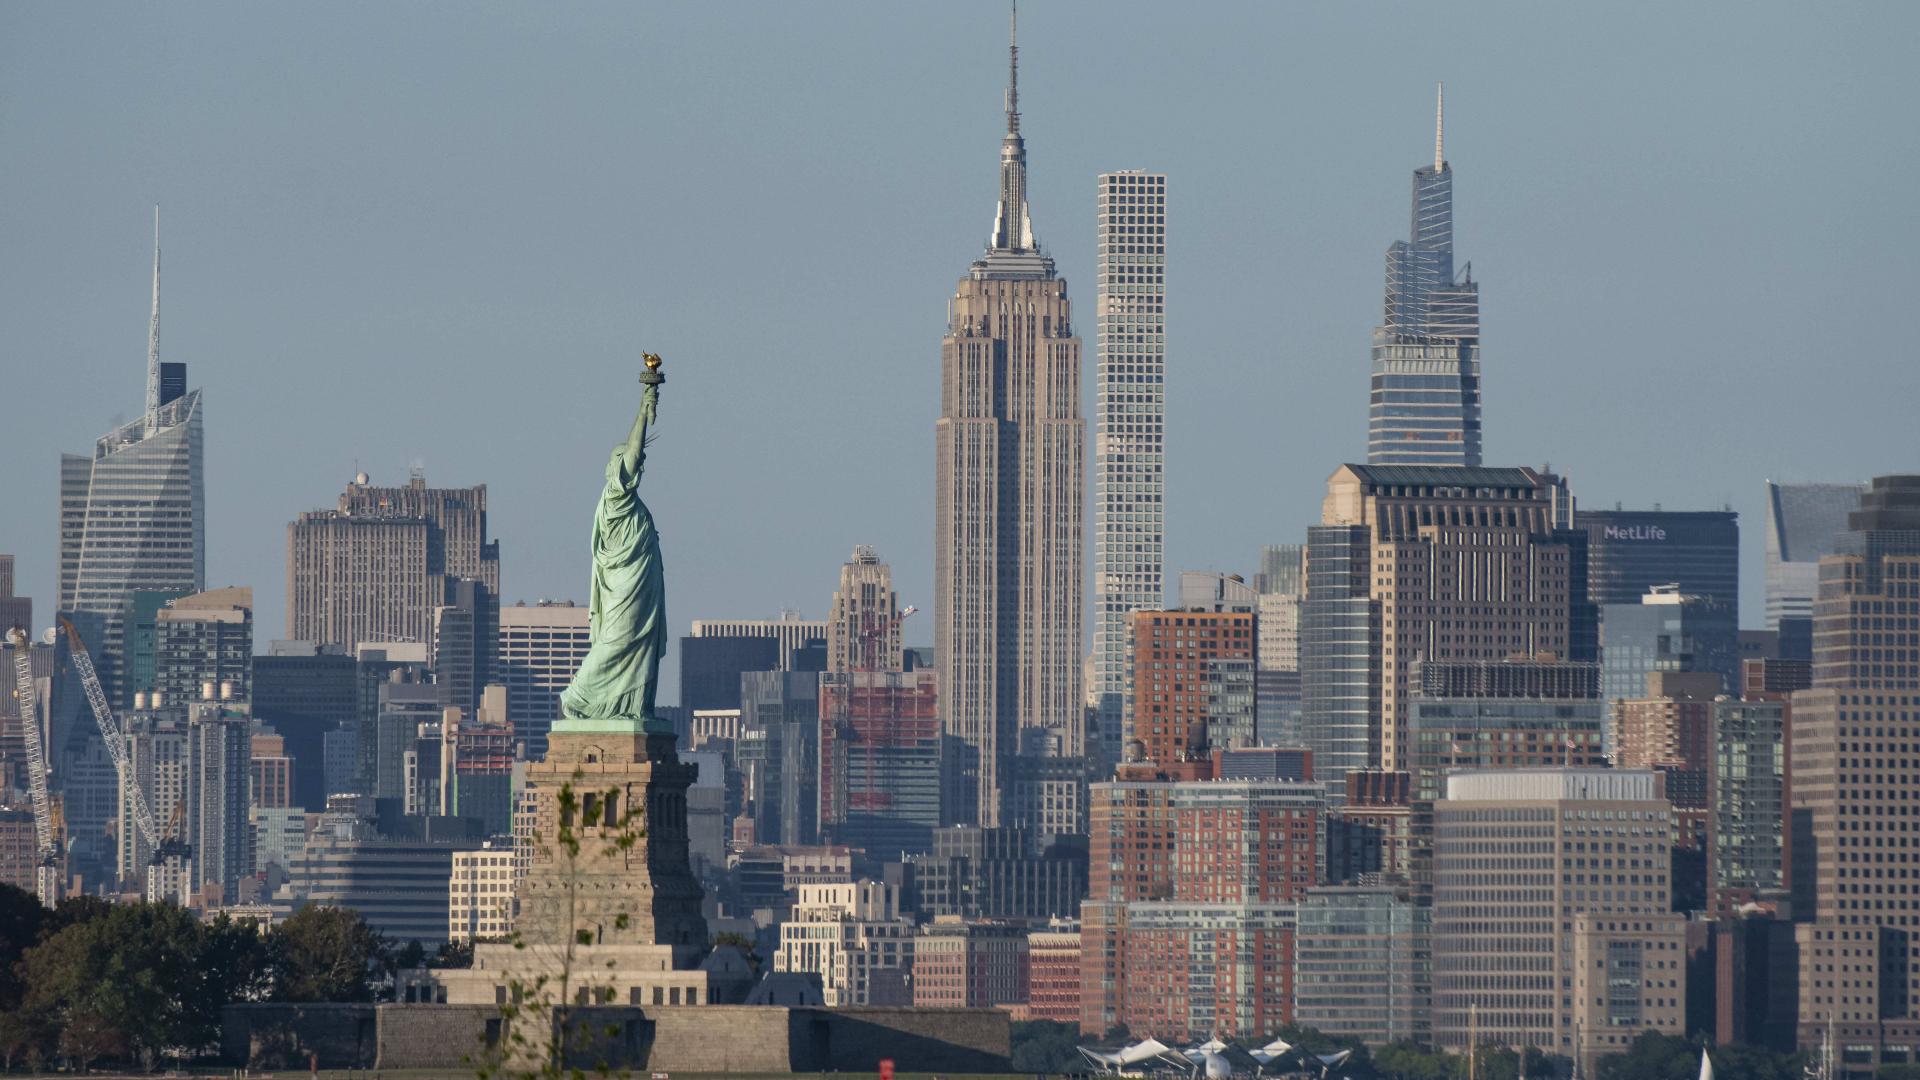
(614, 689)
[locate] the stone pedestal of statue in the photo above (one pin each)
(632, 913)
(630, 784)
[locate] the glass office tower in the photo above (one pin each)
(1425, 394)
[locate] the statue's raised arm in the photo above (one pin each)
(615, 686)
(635, 450)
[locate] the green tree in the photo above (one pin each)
(742, 942)
(1652, 1056)
(409, 955)
(453, 954)
(324, 953)
(126, 984)
(234, 965)
(1404, 1060)
(22, 921)
(23, 1036)
(73, 910)
(1044, 1046)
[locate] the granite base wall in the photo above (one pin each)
(918, 1040)
(430, 1036)
(687, 1039)
(340, 1036)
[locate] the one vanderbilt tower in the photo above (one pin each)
(1425, 406)
(1007, 543)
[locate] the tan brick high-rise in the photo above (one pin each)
(1429, 563)
(1008, 563)
(1855, 745)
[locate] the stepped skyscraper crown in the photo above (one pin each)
(1012, 227)
(1425, 407)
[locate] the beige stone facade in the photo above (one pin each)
(375, 567)
(1008, 558)
(1465, 564)
(1009, 495)
(1629, 977)
(1519, 856)
(1855, 752)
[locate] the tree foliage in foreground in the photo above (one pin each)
(91, 981)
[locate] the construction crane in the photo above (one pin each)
(115, 739)
(46, 852)
(170, 867)
(876, 630)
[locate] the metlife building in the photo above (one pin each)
(1631, 551)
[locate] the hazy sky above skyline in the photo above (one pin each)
(443, 234)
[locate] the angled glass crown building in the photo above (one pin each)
(133, 511)
(1425, 395)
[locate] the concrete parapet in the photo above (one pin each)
(685, 1039)
(339, 1036)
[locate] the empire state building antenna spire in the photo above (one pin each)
(153, 335)
(1013, 70)
(1012, 228)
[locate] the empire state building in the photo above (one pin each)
(1007, 544)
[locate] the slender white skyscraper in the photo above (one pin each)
(1130, 432)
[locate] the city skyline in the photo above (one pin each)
(252, 306)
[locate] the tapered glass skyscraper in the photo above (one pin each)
(1008, 562)
(1425, 403)
(1129, 441)
(133, 512)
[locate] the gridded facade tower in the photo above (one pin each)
(539, 648)
(1854, 863)
(1416, 564)
(1177, 659)
(1009, 491)
(1425, 395)
(204, 638)
(377, 566)
(1129, 440)
(1519, 857)
(790, 634)
(133, 518)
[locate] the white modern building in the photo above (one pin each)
(853, 936)
(480, 894)
(790, 631)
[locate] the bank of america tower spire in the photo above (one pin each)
(1008, 533)
(1425, 395)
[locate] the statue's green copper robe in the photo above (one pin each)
(614, 688)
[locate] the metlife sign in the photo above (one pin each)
(1634, 532)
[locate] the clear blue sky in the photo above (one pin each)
(444, 234)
